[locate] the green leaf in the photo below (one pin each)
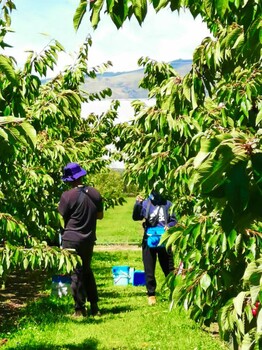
(238, 302)
(29, 132)
(231, 238)
(175, 5)
(140, 10)
(247, 342)
(254, 292)
(68, 265)
(205, 281)
(206, 146)
(79, 14)
(187, 86)
(233, 36)
(221, 6)
(193, 97)
(25, 263)
(61, 262)
(259, 117)
(158, 5)
(7, 69)
(95, 12)
(3, 134)
(259, 321)
(198, 297)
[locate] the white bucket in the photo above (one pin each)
(61, 285)
(120, 275)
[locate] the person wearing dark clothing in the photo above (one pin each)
(80, 208)
(155, 210)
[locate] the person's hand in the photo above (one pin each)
(139, 198)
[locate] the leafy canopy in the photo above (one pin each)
(41, 129)
(201, 145)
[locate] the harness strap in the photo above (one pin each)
(159, 206)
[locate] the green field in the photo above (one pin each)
(117, 227)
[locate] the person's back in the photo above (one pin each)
(80, 207)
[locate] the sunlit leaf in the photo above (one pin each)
(79, 13)
(7, 68)
(205, 281)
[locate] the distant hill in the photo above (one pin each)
(124, 85)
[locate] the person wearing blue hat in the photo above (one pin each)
(155, 211)
(80, 207)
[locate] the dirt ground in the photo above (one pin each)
(19, 291)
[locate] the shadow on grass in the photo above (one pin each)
(119, 309)
(45, 311)
(88, 344)
(123, 294)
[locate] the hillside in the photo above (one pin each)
(124, 85)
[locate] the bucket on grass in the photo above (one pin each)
(131, 275)
(61, 285)
(120, 275)
(139, 278)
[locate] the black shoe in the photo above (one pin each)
(95, 310)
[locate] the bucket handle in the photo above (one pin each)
(123, 275)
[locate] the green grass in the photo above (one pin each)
(118, 227)
(127, 322)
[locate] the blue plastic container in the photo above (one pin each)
(120, 275)
(131, 275)
(139, 278)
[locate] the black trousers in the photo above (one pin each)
(83, 284)
(149, 256)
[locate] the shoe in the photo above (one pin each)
(95, 310)
(151, 300)
(80, 313)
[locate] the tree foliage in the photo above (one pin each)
(41, 129)
(242, 315)
(111, 183)
(201, 144)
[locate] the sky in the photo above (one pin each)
(164, 36)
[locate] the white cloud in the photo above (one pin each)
(163, 36)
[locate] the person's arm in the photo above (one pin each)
(100, 215)
(63, 207)
(100, 208)
(137, 210)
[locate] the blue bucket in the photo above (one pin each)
(139, 278)
(120, 275)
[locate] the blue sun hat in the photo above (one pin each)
(72, 172)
